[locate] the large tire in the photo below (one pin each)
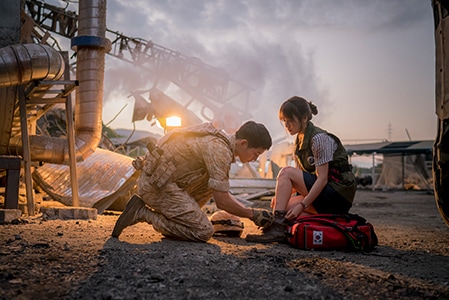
(441, 169)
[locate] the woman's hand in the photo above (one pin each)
(295, 212)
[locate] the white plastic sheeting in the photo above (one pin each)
(104, 177)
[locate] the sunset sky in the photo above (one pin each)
(367, 65)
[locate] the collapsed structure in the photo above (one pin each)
(33, 67)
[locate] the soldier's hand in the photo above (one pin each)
(262, 217)
(138, 163)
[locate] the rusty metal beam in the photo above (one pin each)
(53, 18)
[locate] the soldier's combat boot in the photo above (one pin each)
(275, 233)
(135, 212)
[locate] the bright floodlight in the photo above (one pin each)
(173, 121)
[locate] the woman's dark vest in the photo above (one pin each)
(340, 175)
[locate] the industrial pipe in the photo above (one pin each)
(91, 47)
(20, 64)
(23, 63)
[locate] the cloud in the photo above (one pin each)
(281, 48)
(252, 44)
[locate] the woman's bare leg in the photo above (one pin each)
(289, 178)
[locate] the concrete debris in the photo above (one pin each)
(8, 215)
(69, 213)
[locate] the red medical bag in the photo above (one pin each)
(347, 232)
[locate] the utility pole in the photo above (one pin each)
(390, 131)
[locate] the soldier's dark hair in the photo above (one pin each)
(256, 134)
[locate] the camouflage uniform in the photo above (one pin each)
(178, 176)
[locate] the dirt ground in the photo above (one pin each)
(77, 259)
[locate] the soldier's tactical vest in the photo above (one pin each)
(173, 160)
(340, 175)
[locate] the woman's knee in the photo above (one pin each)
(285, 172)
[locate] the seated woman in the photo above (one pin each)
(322, 182)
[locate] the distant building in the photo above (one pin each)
(405, 165)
